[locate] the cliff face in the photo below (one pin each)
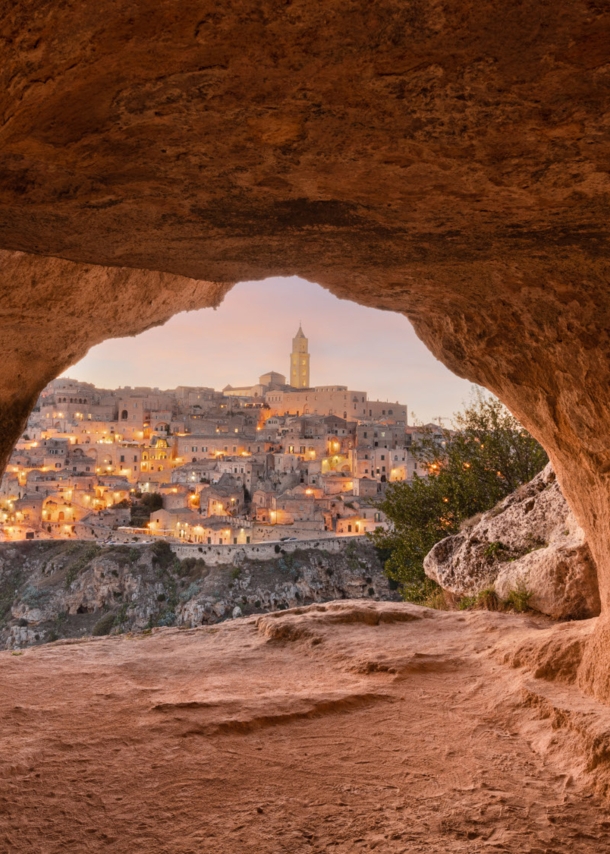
(57, 590)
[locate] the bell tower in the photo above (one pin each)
(299, 361)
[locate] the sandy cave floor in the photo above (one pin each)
(348, 727)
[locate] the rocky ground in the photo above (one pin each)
(56, 590)
(347, 727)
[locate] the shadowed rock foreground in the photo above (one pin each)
(346, 727)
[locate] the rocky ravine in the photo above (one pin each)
(529, 544)
(65, 590)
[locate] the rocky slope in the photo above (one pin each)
(530, 546)
(65, 590)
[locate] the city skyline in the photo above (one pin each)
(251, 333)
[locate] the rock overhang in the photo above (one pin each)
(212, 138)
(448, 161)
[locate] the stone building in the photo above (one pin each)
(299, 361)
(270, 460)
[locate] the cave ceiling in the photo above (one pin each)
(228, 141)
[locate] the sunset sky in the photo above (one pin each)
(251, 333)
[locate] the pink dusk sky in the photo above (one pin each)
(251, 333)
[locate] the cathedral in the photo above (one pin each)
(299, 361)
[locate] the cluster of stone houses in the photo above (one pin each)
(252, 464)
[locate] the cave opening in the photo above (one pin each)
(136, 410)
(446, 162)
(250, 333)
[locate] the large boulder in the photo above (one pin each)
(529, 543)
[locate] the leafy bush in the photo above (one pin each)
(167, 618)
(147, 504)
(191, 567)
(487, 600)
(33, 596)
(486, 457)
(191, 591)
(121, 616)
(152, 501)
(496, 551)
(163, 555)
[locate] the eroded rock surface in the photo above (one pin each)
(448, 161)
(70, 590)
(530, 543)
(348, 726)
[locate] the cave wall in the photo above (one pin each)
(448, 160)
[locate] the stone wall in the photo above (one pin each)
(218, 555)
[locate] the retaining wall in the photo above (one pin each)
(214, 555)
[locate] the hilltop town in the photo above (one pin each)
(269, 462)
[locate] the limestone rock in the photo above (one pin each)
(530, 541)
(446, 161)
(66, 590)
(350, 726)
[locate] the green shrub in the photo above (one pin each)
(422, 592)
(152, 501)
(471, 468)
(191, 591)
(163, 555)
(487, 600)
(436, 599)
(164, 618)
(519, 598)
(191, 567)
(82, 561)
(104, 625)
(496, 550)
(121, 616)
(35, 597)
